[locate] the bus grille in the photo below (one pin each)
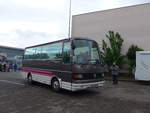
(87, 76)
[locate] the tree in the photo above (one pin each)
(131, 55)
(111, 52)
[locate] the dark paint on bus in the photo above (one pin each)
(65, 71)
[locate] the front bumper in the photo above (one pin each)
(79, 86)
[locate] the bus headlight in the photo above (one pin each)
(103, 75)
(77, 76)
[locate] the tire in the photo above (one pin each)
(55, 85)
(29, 79)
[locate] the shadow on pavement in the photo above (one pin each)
(87, 92)
(143, 82)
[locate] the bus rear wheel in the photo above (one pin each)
(55, 85)
(29, 79)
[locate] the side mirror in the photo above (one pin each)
(73, 46)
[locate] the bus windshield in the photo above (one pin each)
(85, 52)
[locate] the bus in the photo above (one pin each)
(72, 64)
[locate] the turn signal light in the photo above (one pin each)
(77, 76)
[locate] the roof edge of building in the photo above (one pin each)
(11, 47)
(105, 10)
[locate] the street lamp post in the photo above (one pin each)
(70, 17)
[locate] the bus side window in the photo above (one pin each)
(29, 53)
(66, 52)
(52, 51)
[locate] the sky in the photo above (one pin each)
(25, 23)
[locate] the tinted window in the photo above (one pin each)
(37, 54)
(52, 51)
(33, 53)
(66, 52)
(29, 53)
(86, 52)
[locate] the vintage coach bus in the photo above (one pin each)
(72, 64)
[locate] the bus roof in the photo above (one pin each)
(59, 41)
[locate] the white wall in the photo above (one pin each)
(133, 23)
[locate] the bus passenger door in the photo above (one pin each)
(66, 62)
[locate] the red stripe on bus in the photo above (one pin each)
(46, 73)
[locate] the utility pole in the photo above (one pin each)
(70, 18)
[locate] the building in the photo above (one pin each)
(11, 54)
(132, 22)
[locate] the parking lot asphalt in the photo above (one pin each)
(16, 96)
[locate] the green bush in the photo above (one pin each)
(131, 55)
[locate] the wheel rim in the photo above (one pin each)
(56, 85)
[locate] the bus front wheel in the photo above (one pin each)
(55, 85)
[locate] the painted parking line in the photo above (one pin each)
(11, 82)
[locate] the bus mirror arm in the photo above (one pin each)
(73, 46)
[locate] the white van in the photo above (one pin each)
(142, 71)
